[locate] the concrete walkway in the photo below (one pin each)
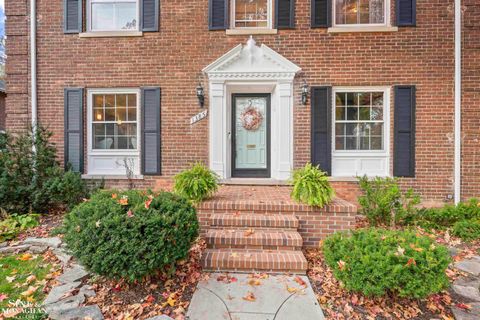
(254, 297)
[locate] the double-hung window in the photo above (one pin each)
(113, 131)
(361, 131)
(361, 12)
(251, 14)
(113, 15)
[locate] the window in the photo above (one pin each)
(252, 14)
(359, 121)
(361, 12)
(114, 121)
(113, 15)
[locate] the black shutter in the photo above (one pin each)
(285, 14)
(321, 14)
(72, 16)
(151, 130)
(218, 14)
(149, 15)
(404, 132)
(321, 118)
(73, 128)
(406, 13)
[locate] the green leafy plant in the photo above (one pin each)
(132, 234)
(376, 262)
(467, 229)
(33, 181)
(197, 183)
(311, 186)
(15, 224)
(384, 203)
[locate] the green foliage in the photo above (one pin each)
(197, 183)
(467, 229)
(383, 202)
(34, 181)
(311, 186)
(376, 262)
(13, 225)
(131, 234)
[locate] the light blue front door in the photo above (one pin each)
(251, 125)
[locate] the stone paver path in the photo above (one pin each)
(468, 287)
(279, 297)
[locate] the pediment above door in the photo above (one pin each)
(252, 62)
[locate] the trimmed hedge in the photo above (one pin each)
(131, 234)
(378, 261)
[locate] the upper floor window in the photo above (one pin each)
(361, 12)
(113, 15)
(252, 14)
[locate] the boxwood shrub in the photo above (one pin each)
(132, 234)
(377, 261)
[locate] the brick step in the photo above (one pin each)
(254, 239)
(254, 220)
(250, 261)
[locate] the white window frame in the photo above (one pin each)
(362, 25)
(111, 154)
(378, 155)
(89, 16)
(269, 20)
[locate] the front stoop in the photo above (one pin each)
(259, 228)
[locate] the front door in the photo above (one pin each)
(251, 135)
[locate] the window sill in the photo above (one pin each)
(234, 32)
(362, 29)
(109, 177)
(107, 34)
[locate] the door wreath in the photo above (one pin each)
(251, 118)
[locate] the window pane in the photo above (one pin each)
(132, 114)
(340, 129)
(98, 101)
(109, 114)
(377, 114)
(377, 99)
(122, 143)
(126, 16)
(377, 129)
(365, 113)
(377, 11)
(340, 143)
(98, 115)
(132, 100)
(102, 16)
(340, 12)
(111, 129)
(364, 143)
(340, 99)
(351, 11)
(352, 113)
(251, 13)
(132, 129)
(352, 99)
(376, 143)
(351, 129)
(364, 11)
(99, 129)
(351, 143)
(364, 99)
(340, 113)
(110, 101)
(121, 114)
(359, 11)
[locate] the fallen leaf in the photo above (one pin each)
(250, 297)
(254, 282)
(148, 203)
(10, 279)
(97, 224)
(291, 289)
(410, 262)
(234, 255)
(300, 281)
(341, 265)
(130, 214)
(114, 196)
(25, 257)
(31, 278)
(3, 297)
(150, 299)
(31, 290)
(463, 306)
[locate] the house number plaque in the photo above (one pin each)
(200, 116)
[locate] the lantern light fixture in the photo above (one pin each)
(200, 95)
(304, 92)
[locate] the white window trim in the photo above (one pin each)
(269, 22)
(89, 18)
(386, 26)
(114, 155)
(356, 154)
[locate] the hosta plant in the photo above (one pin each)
(197, 183)
(130, 235)
(311, 186)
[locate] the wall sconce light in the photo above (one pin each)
(304, 92)
(200, 95)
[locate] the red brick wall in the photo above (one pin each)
(2, 111)
(471, 100)
(173, 58)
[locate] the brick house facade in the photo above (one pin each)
(402, 70)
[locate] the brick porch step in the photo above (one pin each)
(248, 260)
(273, 239)
(254, 220)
